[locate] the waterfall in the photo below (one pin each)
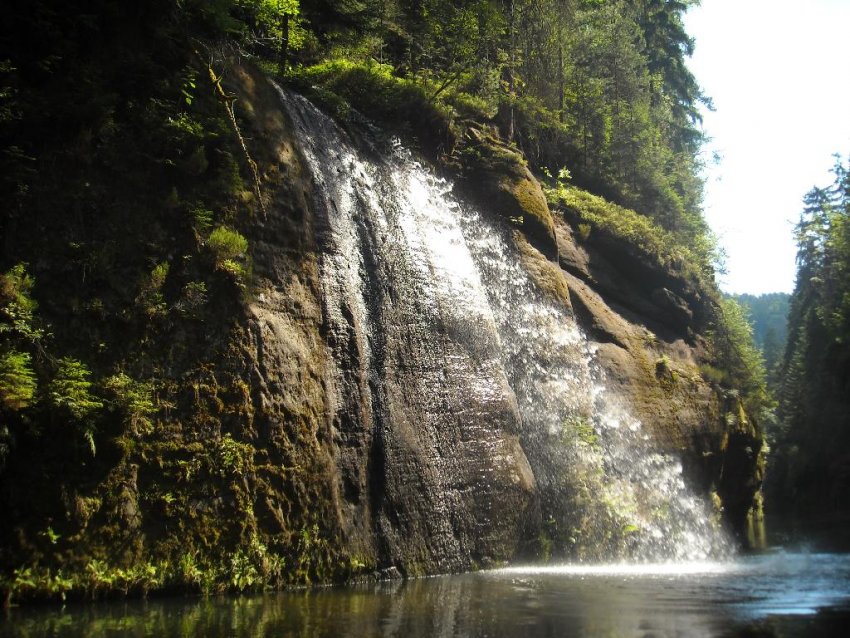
(477, 403)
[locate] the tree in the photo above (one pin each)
(280, 19)
(738, 357)
(814, 440)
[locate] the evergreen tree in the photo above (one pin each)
(813, 447)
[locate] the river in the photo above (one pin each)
(775, 594)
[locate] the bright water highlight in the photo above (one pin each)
(782, 594)
(457, 291)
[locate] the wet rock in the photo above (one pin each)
(678, 314)
(496, 177)
(384, 382)
(390, 573)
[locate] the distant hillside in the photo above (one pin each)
(769, 318)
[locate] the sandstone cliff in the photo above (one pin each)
(327, 435)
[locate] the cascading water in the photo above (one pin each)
(596, 467)
(476, 391)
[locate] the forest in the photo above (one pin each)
(129, 190)
(621, 119)
(812, 378)
(768, 315)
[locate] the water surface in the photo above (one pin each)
(781, 594)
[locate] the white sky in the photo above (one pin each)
(779, 74)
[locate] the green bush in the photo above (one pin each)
(595, 214)
(70, 392)
(230, 250)
(150, 296)
(17, 380)
(399, 103)
(133, 398)
(70, 389)
(17, 307)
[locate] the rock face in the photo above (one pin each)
(417, 415)
(421, 376)
(495, 176)
(648, 324)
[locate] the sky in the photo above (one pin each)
(778, 74)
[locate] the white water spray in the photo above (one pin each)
(606, 491)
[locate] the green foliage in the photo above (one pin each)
(601, 87)
(812, 439)
(133, 398)
(769, 317)
(101, 578)
(227, 244)
(70, 393)
(593, 214)
(17, 307)
(281, 22)
(374, 89)
(17, 380)
(253, 568)
(150, 296)
(70, 389)
(232, 457)
(739, 359)
(21, 336)
(202, 220)
(229, 249)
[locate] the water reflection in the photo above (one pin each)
(779, 595)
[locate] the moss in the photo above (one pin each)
(545, 274)
(537, 220)
(494, 175)
(399, 104)
(666, 375)
(594, 216)
(188, 501)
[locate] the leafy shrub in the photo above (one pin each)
(594, 213)
(134, 398)
(230, 250)
(232, 457)
(150, 296)
(202, 219)
(70, 392)
(399, 103)
(70, 389)
(17, 307)
(17, 380)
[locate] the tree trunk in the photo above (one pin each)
(284, 41)
(561, 81)
(511, 63)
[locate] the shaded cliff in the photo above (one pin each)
(360, 410)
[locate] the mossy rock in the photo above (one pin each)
(495, 177)
(372, 90)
